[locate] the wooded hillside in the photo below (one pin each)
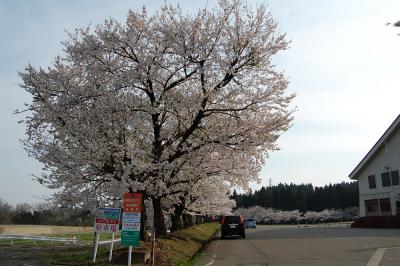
(302, 197)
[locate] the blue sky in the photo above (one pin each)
(343, 65)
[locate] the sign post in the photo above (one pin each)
(130, 235)
(111, 247)
(107, 221)
(96, 244)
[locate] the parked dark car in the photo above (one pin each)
(232, 225)
(251, 222)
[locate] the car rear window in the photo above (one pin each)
(250, 220)
(232, 220)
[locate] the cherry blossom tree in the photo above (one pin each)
(208, 176)
(130, 106)
(269, 215)
(209, 197)
(274, 216)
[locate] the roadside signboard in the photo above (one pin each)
(107, 220)
(130, 235)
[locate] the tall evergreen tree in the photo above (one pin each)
(303, 197)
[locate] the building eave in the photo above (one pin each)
(376, 148)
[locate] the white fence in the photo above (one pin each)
(39, 238)
(51, 239)
(109, 241)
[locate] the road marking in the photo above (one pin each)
(377, 257)
(211, 262)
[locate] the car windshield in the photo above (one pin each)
(232, 220)
(251, 220)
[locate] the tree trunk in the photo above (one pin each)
(187, 220)
(190, 219)
(176, 222)
(158, 222)
(176, 218)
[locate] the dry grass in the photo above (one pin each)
(42, 229)
(181, 246)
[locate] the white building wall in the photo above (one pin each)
(387, 159)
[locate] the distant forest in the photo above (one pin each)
(302, 197)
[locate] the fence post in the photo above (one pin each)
(153, 246)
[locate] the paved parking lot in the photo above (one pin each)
(302, 245)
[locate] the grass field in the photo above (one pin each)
(176, 249)
(46, 253)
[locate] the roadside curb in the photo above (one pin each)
(203, 246)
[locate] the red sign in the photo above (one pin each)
(132, 202)
(107, 221)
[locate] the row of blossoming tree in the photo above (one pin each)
(179, 107)
(274, 216)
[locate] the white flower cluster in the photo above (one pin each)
(273, 216)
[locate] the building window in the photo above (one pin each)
(371, 181)
(385, 179)
(395, 177)
(385, 206)
(372, 207)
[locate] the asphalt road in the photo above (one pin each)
(312, 245)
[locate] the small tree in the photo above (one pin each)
(23, 214)
(6, 212)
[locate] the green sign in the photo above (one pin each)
(130, 238)
(111, 216)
